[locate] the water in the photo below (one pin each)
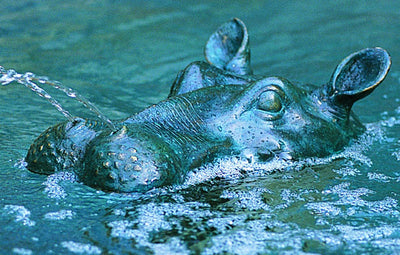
(123, 56)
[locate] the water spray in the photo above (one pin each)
(31, 81)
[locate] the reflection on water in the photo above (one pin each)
(123, 56)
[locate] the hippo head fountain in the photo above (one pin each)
(215, 109)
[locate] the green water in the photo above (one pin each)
(123, 56)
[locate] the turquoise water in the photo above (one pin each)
(123, 56)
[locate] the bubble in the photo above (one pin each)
(251, 200)
(60, 215)
(378, 177)
(351, 233)
(80, 248)
(53, 189)
(324, 209)
(21, 214)
(22, 251)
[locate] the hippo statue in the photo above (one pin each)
(216, 108)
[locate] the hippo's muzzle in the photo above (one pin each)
(129, 160)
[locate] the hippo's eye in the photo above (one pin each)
(270, 101)
(270, 104)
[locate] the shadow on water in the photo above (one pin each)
(123, 56)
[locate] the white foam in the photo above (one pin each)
(81, 248)
(251, 200)
(155, 218)
(22, 251)
(235, 168)
(21, 214)
(379, 177)
(351, 233)
(53, 189)
(60, 215)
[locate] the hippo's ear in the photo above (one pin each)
(358, 75)
(228, 48)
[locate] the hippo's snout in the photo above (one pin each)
(129, 160)
(62, 146)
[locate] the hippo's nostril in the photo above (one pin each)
(112, 176)
(265, 155)
(100, 155)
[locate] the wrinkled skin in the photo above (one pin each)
(216, 108)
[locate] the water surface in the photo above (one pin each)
(123, 56)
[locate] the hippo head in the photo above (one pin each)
(264, 119)
(270, 116)
(215, 109)
(273, 117)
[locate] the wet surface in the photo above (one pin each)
(123, 56)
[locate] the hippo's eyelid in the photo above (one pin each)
(277, 89)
